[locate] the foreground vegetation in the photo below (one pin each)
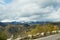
(27, 31)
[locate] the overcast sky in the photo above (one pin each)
(29, 10)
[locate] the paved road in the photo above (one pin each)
(52, 37)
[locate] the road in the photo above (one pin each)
(52, 37)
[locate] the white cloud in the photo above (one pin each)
(7, 20)
(55, 15)
(26, 10)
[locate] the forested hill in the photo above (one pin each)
(23, 29)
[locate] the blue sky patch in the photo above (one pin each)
(7, 1)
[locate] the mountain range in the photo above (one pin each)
(18, 23)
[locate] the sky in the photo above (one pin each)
(29, 10)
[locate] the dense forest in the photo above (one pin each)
(27, 31)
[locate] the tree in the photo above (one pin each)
(55, 28)
(3, 36)
(37, 29)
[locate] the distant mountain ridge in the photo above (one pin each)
(16, 23)
(2, 24)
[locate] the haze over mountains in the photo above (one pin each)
(13, 22)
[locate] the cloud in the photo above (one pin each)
(7, 20)
(30, 10)
(55, 15)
